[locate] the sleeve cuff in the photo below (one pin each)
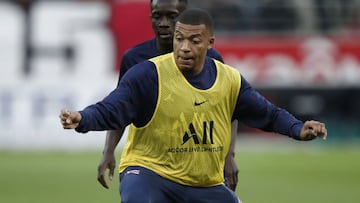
(81, 127)
(295, 130)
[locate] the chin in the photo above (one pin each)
(167, 40)
(186, 69)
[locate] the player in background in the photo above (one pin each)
(176, 153)
(163, 15)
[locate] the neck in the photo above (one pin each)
(193, 71)
(164, 48)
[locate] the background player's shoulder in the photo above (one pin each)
(213, 53)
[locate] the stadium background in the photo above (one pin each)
(304, 55)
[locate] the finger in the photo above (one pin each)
(111, 173)
(323, 132)
(231, 182)
(64, 116)
(68, 121)
(234, 182)
(101, 177)
(65, 112)
(69, 118)
(233, 187)
(318, 129)
(102, 181)
(309, 134)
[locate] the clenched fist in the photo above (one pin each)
(313, 129)
(69, 119)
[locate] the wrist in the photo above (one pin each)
(108, 151)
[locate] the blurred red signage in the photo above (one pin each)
(294, 61)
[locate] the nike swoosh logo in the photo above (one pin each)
(199, 103)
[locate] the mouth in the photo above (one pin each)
(185, 60)
(165, 35)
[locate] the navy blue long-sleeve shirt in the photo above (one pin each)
(135, 98)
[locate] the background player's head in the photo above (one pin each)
(193, 36)
(163, 17)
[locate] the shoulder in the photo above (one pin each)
(141, 71)
(140, 48)
(137, 54)
(232, 73)
(213, 53)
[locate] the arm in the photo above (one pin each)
(133, 101)
(108, 159)
(256, 111)
(231, 170)
(112, 137)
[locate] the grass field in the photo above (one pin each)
(275, 174)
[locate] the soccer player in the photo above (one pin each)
(163, 15)
(180, 106)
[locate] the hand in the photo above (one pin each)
(313, 129)
(231, 172)
(107, 162)
(69, 119)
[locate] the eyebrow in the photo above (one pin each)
(164, 12)
(191, 36)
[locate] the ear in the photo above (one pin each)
(211, 42)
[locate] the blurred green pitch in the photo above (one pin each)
(267, 175)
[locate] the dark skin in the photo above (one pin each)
(163, 18)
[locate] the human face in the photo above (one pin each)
(163, 15)
(191, 43)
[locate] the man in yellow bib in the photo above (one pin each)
(180, 107)
(163, 14)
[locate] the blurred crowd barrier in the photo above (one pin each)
(57, 54)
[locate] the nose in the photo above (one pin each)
(185, 46)
(164, 22)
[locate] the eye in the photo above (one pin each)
(179, 39)
(196, 41)
(173, 16)
(155, 16)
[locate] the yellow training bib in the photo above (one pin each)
(189, 135)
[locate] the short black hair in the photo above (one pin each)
(183, 4)
(197, 16)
